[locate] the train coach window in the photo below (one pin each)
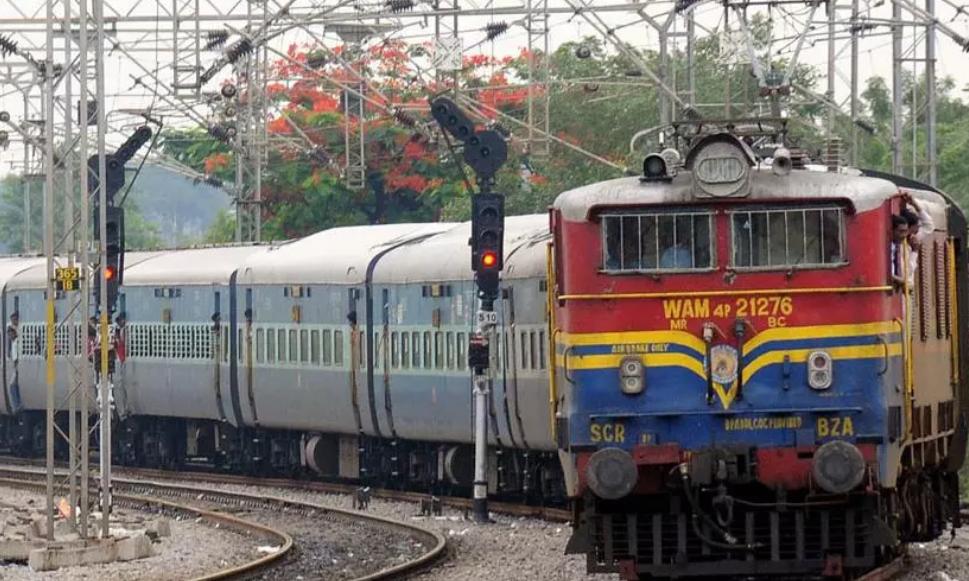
(394, 351)
(462, 356)
(804, 237)
(304, 355)
(338, 347)
(450, 350)
(315, 346)
(404, 350)
(281, 345)
(271, 346)
(427, 350)
(657, 242)
(327, 348)
(415, 343)
(439, 349)
(260, 345)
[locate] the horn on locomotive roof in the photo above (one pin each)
(662, 166)
(782, 163)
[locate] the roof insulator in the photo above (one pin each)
(396, 6)
(216, 39)
(495, 29)
(7, 46)
(404, 118)
(238, 50)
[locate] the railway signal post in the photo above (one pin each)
(485, 151)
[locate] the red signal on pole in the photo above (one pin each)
(489, 259)
(109, 273)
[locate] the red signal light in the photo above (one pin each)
(489, 259)
(109, 273)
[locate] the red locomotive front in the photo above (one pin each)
(734, 374)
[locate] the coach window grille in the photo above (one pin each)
(270, 346)
(338, 348)
(541, 350)
(415, 343)
(327, 348)
(427, 350)
(523, 349)
(260, 345)
(377, 345)
(304, 352)
(315, 346)
(293, 346)
(394, 350)
(533, 350)
(404, 350)
(439, 349)
(462, 356)
(281, 345)
(205, 338)
(450, 349)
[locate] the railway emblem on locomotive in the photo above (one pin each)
(723, 367)
(723, 364)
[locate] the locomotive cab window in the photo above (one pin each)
(790, 238)
(657, 242)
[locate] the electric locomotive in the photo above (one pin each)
(740, 389)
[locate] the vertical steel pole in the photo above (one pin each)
(854, 160)
(931, 146)
(105, 386)
(48, 109)
(84, 265)
(26, 178)
(832, 106)
(70, 234)
(897, 120)
(691, 56)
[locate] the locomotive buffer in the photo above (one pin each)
(485, 151)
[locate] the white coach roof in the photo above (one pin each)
(447, 255)
(192, 266)
(335, 256)
(11, 266)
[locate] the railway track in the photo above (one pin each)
(553, 514)
(286, 561)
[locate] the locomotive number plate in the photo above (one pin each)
(775, 309)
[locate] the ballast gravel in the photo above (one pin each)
(192, 550)
(509, 549)
(944, 559)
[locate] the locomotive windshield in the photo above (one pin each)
(657, 242)
(804, 237)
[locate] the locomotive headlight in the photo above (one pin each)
(612, 473)
(632, 375)
(819, 370)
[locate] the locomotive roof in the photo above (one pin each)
(334, 256)
(864, 193)
(193, 266)
(447, 256)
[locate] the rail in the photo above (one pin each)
(282, 539)
(125, 486)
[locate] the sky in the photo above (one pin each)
(788, 19)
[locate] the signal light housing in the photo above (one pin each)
(487, 231)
